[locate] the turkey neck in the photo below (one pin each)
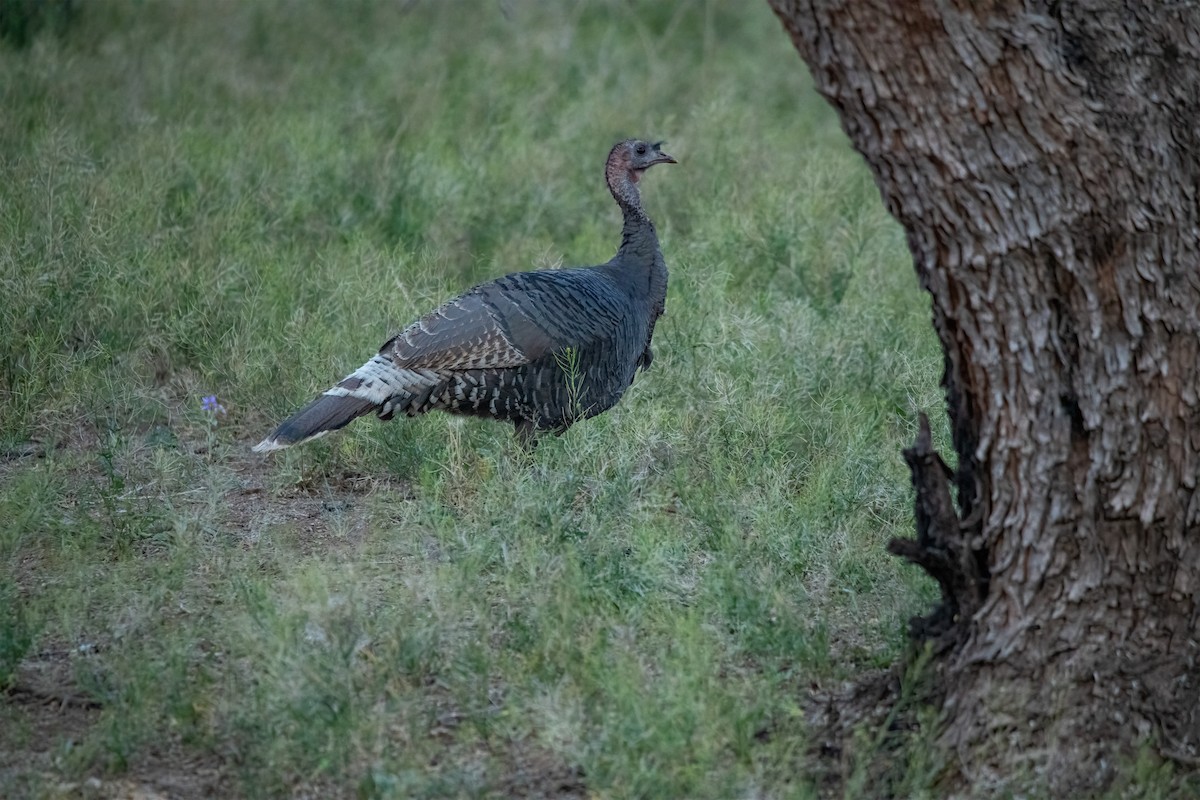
(638, 256)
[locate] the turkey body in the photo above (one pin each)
(547, 348)
(541, 349)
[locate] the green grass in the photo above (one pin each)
(246, 204)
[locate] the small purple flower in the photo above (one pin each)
(209, 403)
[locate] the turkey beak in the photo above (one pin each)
(663, 158)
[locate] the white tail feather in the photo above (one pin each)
(380, 379)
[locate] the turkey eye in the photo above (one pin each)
(641, 149)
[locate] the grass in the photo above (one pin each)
(246, 204)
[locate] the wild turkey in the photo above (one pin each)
(541, 349)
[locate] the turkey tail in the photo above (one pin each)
(326, 413)
(363, 391)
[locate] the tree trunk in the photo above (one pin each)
(1044, 159)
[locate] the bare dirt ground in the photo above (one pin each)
(45, 715)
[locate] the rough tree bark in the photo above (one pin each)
(1044, 159)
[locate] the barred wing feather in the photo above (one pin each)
(510, 322)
